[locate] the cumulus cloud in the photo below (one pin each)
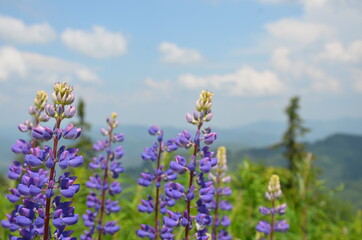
(280, 59)
(160, 86)
(40, 68)
(13, 30)
(99, 43)
(244, 82)
(11, 63)
(308, 50)
(319, 80)
(175, 54)
(298, 31)
(335, 51)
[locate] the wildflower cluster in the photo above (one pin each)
(38, 183)
(97, 203)
(22, 146)
(160, 201)
(218, 176)
(265, 228)
(200, 162)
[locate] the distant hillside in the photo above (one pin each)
(339, 157)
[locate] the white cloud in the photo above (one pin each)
(335, 51)
(314, 3)
(36, 67)
(86, 75)
(306, 3)
(11, 63)
(13, 30)
(160, 86)
(280, 59)
(321, 81)
(175, 54)
(99, 43)
(298, 31)
(244, 82)
(299, 69)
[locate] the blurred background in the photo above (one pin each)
(149, 60)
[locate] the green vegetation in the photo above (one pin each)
(317, 209)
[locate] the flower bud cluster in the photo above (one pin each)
(62, 94)
(161, 201)
(108, 162)
(203, 111)
(37, 112)
(219, 177)
(37, 183)
(274, 192)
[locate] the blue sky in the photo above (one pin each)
(148, 60)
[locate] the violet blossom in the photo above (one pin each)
(101, 182)
(273, 194)
(35, 209)
(219, 177)
(160, 202)
(200, 162)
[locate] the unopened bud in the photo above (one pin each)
(221, 156)
(49, 109)
(189, 118)
(208, 117)
(70, 112)
(43, 117)
(26, 126)
(40, 99)
(60, 110)
(32, 110)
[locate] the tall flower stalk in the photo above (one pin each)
(273, 194)
(200, 162)
(38, 185)
(97, 200)
(219, 177)
(159, 202)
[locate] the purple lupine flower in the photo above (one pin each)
(146, 231)
(161, 201)
(218, 176)
(37, 186)
(201, 161)
(103, 185)
(21, 146)
(274, 192)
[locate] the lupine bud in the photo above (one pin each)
(70, 112)
(42, 134)
(32, 110)
(50, 110)
(210, 138)
(190, 119)
(43, 117)
(40, 99)
(26, 126)
(71, 132)
(263, 227)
